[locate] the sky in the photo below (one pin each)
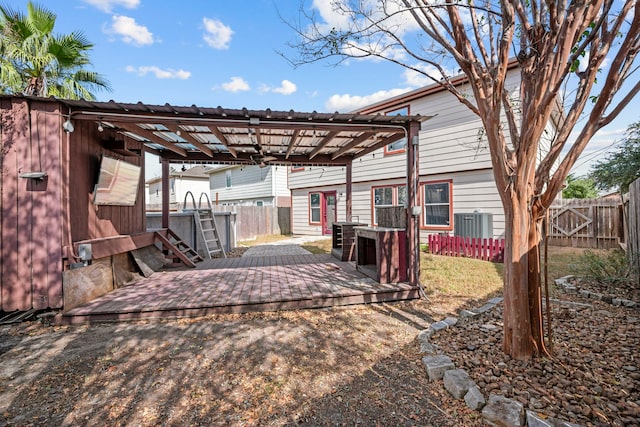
(229, 53)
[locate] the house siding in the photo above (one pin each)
(473, 191)
(452, 147)
(180, 187)
(250, 184)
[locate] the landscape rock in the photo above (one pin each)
(438, 326)
(451, 321)
(457, 382)
(533, 420)
(467, 313)
(436, 366)
(474, 398)
(484, 308)
(503, 412)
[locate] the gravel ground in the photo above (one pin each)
(592, 378)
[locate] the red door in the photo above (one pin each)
(328, 211)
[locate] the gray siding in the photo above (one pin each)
(248, 184)
(452, 147)
(472, 191)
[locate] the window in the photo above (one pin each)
(297, 168)
(314, 208)
(228, 178)
(392, 195)
(400, 145)
(437, 205)
(402, 195)
(259, 203)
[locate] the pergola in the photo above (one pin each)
(261, 137)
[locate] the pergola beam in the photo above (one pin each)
(292, 143)
(190, 139)
(383, 143)
(354, 142)
(151, 137)
(223, 140)
(325, 141)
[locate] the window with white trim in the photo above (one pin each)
(314, 207)
(437, 204)
(391, 195)
(227, 176)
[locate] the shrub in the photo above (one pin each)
(611, 268)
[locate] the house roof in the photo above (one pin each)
(200, 172)
(232, 136)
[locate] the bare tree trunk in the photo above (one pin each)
(523, 327)
(518, 341)
(535, 289)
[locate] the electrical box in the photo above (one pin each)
(473, 224)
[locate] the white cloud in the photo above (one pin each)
(131, 32)
(286, 88)
(330, 13)
(108, 5)
(348, 102)
(217, 35)
(416, 79)
(159, 73)
(236, 84)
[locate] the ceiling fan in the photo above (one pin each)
(261, 160)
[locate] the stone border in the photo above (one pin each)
(499, 410)
(563, 283)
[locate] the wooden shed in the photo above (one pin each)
(50, 159)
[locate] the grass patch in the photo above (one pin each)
(319, 246)
(476, 280)
(261, 240)
(561, 260)
(454, 276)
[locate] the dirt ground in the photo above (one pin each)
(353, 366)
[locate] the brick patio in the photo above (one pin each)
(240, 285)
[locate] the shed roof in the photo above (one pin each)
(233, 136)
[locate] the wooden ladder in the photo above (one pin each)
(206, 224)
(174, 244)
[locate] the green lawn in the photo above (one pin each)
(466, 277)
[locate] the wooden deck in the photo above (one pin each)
(240, 285)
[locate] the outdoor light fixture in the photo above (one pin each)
(100, 128)
(67, 126)
(178, 132)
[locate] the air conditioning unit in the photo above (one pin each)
(474, 224)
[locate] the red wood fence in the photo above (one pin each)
(484, 249)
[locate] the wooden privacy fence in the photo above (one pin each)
(587, 223)
(632, 205)
(253, 221)
(469, 247)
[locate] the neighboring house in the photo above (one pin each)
(195, 179)
(249, 185)
(454, 162)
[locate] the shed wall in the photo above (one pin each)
(31, 225)
(87, 220)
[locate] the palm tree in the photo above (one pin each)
(35, 61)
